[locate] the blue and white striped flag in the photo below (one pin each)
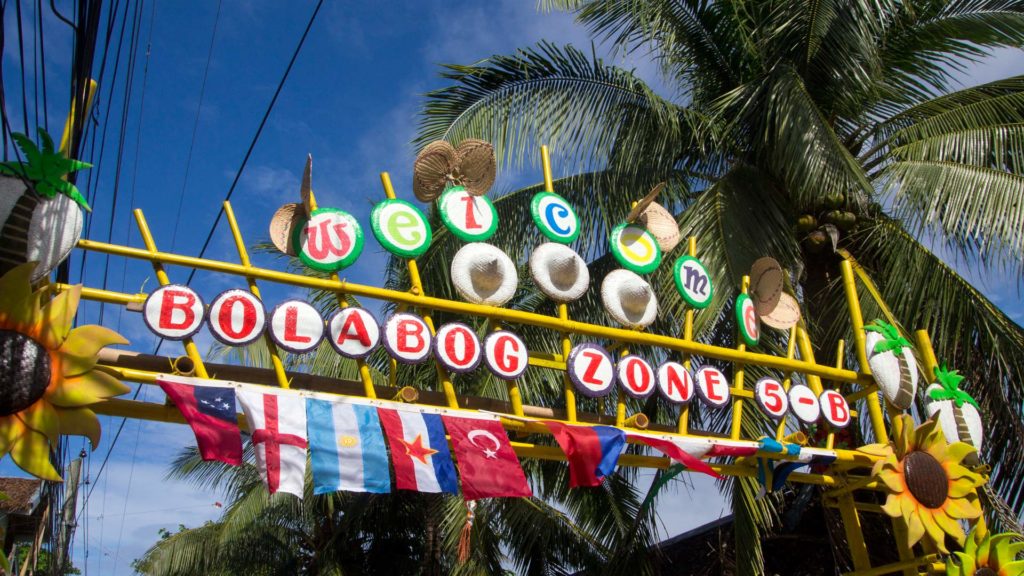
(347, 447)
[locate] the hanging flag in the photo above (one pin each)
(593, 451)
(487, 464)
(210, 411)
(347, 448)
(735, 448)
(278, 426)
(687, 453)
(782, 469)
(419, 451)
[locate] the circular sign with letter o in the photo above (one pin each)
(236, 317)
(635, 376)
(555, 217)
(330, 240)
(457, 348)
(400, 228)
(635, 248)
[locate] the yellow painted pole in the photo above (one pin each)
(563, 308)
(161, 276)
(780, 431)
(364, 370)
(90, 93)
(416, 289)
(924, 346)
(620, 402)
(243, 257)
(738, 373)
(830, 440)
(684, 411)
(854, 532)
(803, 342)
(857, 325)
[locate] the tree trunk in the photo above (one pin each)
(905, 395)
(14, 234)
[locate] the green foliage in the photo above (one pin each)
(45, 168)
(23, 553)
(891, 341)
(949, 382)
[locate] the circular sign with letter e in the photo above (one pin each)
(746, 317)
(506, 354)
(555, 217)
(712, 386)
(635, 376)
(804, 404)
(635, 248)
(330, 240)
(407, 338)
(457, 348)
(835, 408)
(471, 218)
(400, 228)
(296, 326)
(675, 383)
(354, 332)
(174, 312)
(236, 317)
(693, 282)
(771, 396)
(591, 370)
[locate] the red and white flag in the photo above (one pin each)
(278, 426)
(487, 463)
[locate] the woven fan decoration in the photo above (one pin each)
(656, 219)
(439, 166)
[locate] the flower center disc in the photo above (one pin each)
(926, 479)
(985, 571)
(24, 372)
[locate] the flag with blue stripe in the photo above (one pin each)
(347, 447)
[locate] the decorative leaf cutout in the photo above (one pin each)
(891, 339)
(949, 382)
(46, 168)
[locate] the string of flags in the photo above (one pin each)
(353, 443)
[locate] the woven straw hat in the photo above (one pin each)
(629, 299)
(559, 272)
(440, 165)
(483, 274)
(774, 307)
(656, 219)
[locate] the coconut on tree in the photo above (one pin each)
(39, 208)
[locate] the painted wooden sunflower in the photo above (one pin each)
(988, 555)
(47, 376)
(930, 491)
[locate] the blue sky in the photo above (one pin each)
(351, 101)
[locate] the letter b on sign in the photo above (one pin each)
(174, 312)
(407, 338)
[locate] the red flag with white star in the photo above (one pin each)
(487, 464)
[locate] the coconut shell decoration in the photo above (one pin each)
(656, 219)
(955, 409)
(440, 166)
(40, 211)
(892, 363)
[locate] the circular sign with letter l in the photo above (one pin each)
(471, 218)
(555, 217)
(174, 312)
(675, 383)
(635, 248)
(457, 348)
(407, 338)
(591, 370)
(771, 396)
(835, 408)
(693, 282)
(712, 386)
(400, 228)
(354, 332)
(330, 240)
(236, 317)
(804, 404)
(296, 326)
(506, 354)
(635, 376)
(746, 318)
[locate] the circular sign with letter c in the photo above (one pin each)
(555, 217)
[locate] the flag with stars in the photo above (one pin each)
(487, 464)
(210, 410)
(419, 451)
(347, 448)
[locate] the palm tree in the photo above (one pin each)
(812, 131)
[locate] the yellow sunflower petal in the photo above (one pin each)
(31, 453)
(86, 389)
(18, 305)
(957, 451)
(967, 565)
(902, 430)
(915, 527)
(880, 450)
(961, 488)
(892, 506)
(963, 508)
(42, 418)
(80, 422)
(1012, 569)
(82, 346)
(950, 526)
(893, 481)
(1001, 553)
(58, 316)
(10, 429)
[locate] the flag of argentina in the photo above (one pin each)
(347, 448)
